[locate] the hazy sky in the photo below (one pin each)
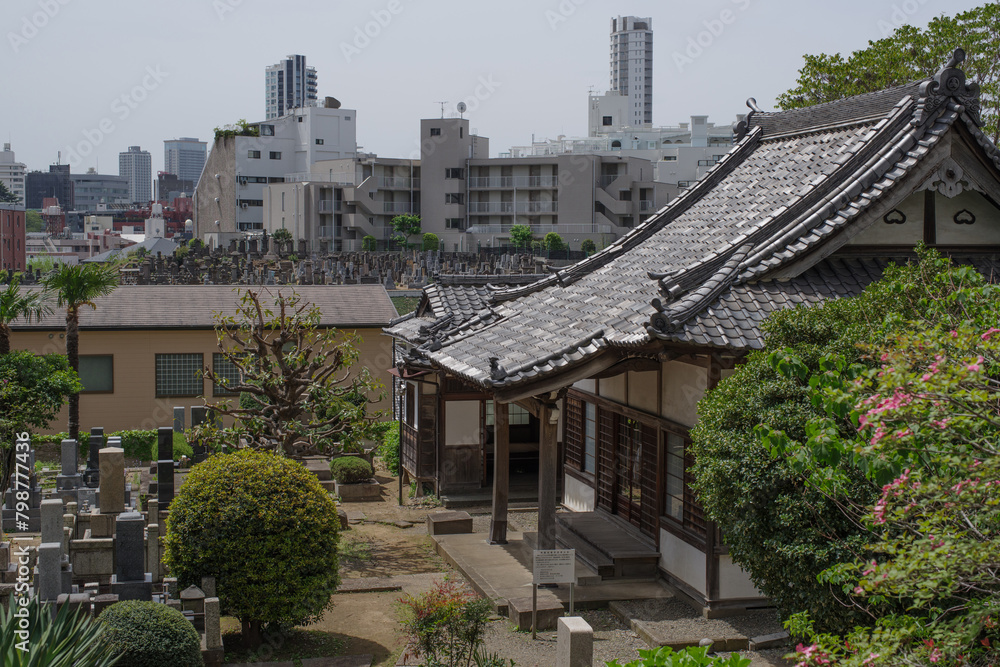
(100, 75)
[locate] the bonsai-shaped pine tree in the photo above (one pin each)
(300, 392)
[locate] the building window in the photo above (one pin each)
(319, 142)
(253, 155)
(267, 130)
(435, 131)
(179, 375)
(454, 198)
(347, 118)
(275, 155)
(516, 415)
(454, 173)
(226, 370)
(97, 373)
(454, 223)
(681, 506)
(606, 121)
(300, 119)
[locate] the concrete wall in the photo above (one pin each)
(577, 496)
(133, 404)
(683, 561)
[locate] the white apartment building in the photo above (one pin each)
(136, 165)
(229, 199)
(12, 172)
(288, 85)
(632, 66)
(184, 158)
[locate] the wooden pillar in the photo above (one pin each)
(715, 367)
(548, 462)
(501, 472)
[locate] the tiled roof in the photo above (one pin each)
(193, 307)
(702, 270)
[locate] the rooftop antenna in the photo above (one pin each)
(442, 107)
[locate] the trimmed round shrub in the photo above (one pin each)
(265, 528)
(148, 634)
(351, 470)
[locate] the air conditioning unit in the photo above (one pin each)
(243, 181)
(244, 205)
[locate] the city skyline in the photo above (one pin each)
(395, 61)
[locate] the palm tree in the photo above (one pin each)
(14, 304)
(77, 286)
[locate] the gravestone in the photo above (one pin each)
(70, 479)
(112, 492)
(130, 582)
(199, 415)
(92, 476)
(12, 520)
(165, 466)
(179, 419)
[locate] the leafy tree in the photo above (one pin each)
(281, 237)
(404, 226)
(431, 242)
(909, 54)
(301, 392)
(588, 246)
(369, 242)
(32, 391)
(17, 303)
(8, 197)
(240, 128)
(553, 242)
(521, 236)
(77, 286)
(782, 531)
(33, 221)
(266, 530)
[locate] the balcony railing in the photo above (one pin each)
(491, 207)
(537, 207)
(328, 232)
(481, 182)
(484, 182)
(646, 205)
(399, 183)
(398, 207)
(608, 179)
(329, 206)
(542, 230)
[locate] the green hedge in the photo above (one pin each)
(138, 444)
(150, 634)
(351, 470)
(388, 450)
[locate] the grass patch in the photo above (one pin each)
(405, 304)
(289, 645)
(355, 551)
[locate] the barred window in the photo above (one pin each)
(225, 370)
(516, 415)
(681, 504)
(179, 375)
(581, 434)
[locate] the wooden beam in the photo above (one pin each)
(560, 380)
(930, 218)
(501, 472)
(548, 460)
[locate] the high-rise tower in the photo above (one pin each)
(632, 66)
(288, 85)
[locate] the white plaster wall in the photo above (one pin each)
(906, 234)
(683, 386)
(642, 393)
(461, 423)
(682, 561)
(613, 388)
(578, 496)
(586, 385)
(734, 582)
(986, 229)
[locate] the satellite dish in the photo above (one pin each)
(462, 107)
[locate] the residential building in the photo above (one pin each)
(169, 186)
(143, 347)
(12, 172)
(185, 158)
(55, 183)
(340, 202)
(603, 363)
(632, 66)
(75, 247)
(53, 215)
(12, 237)
(229, 201)
(288, 85)
(466, 198)
(92, 189)
(136, 165)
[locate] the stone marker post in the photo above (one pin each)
(112, 480)
(70, 477)
(165, 466)
(574, 643)
(130, 581)
(92, 476)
